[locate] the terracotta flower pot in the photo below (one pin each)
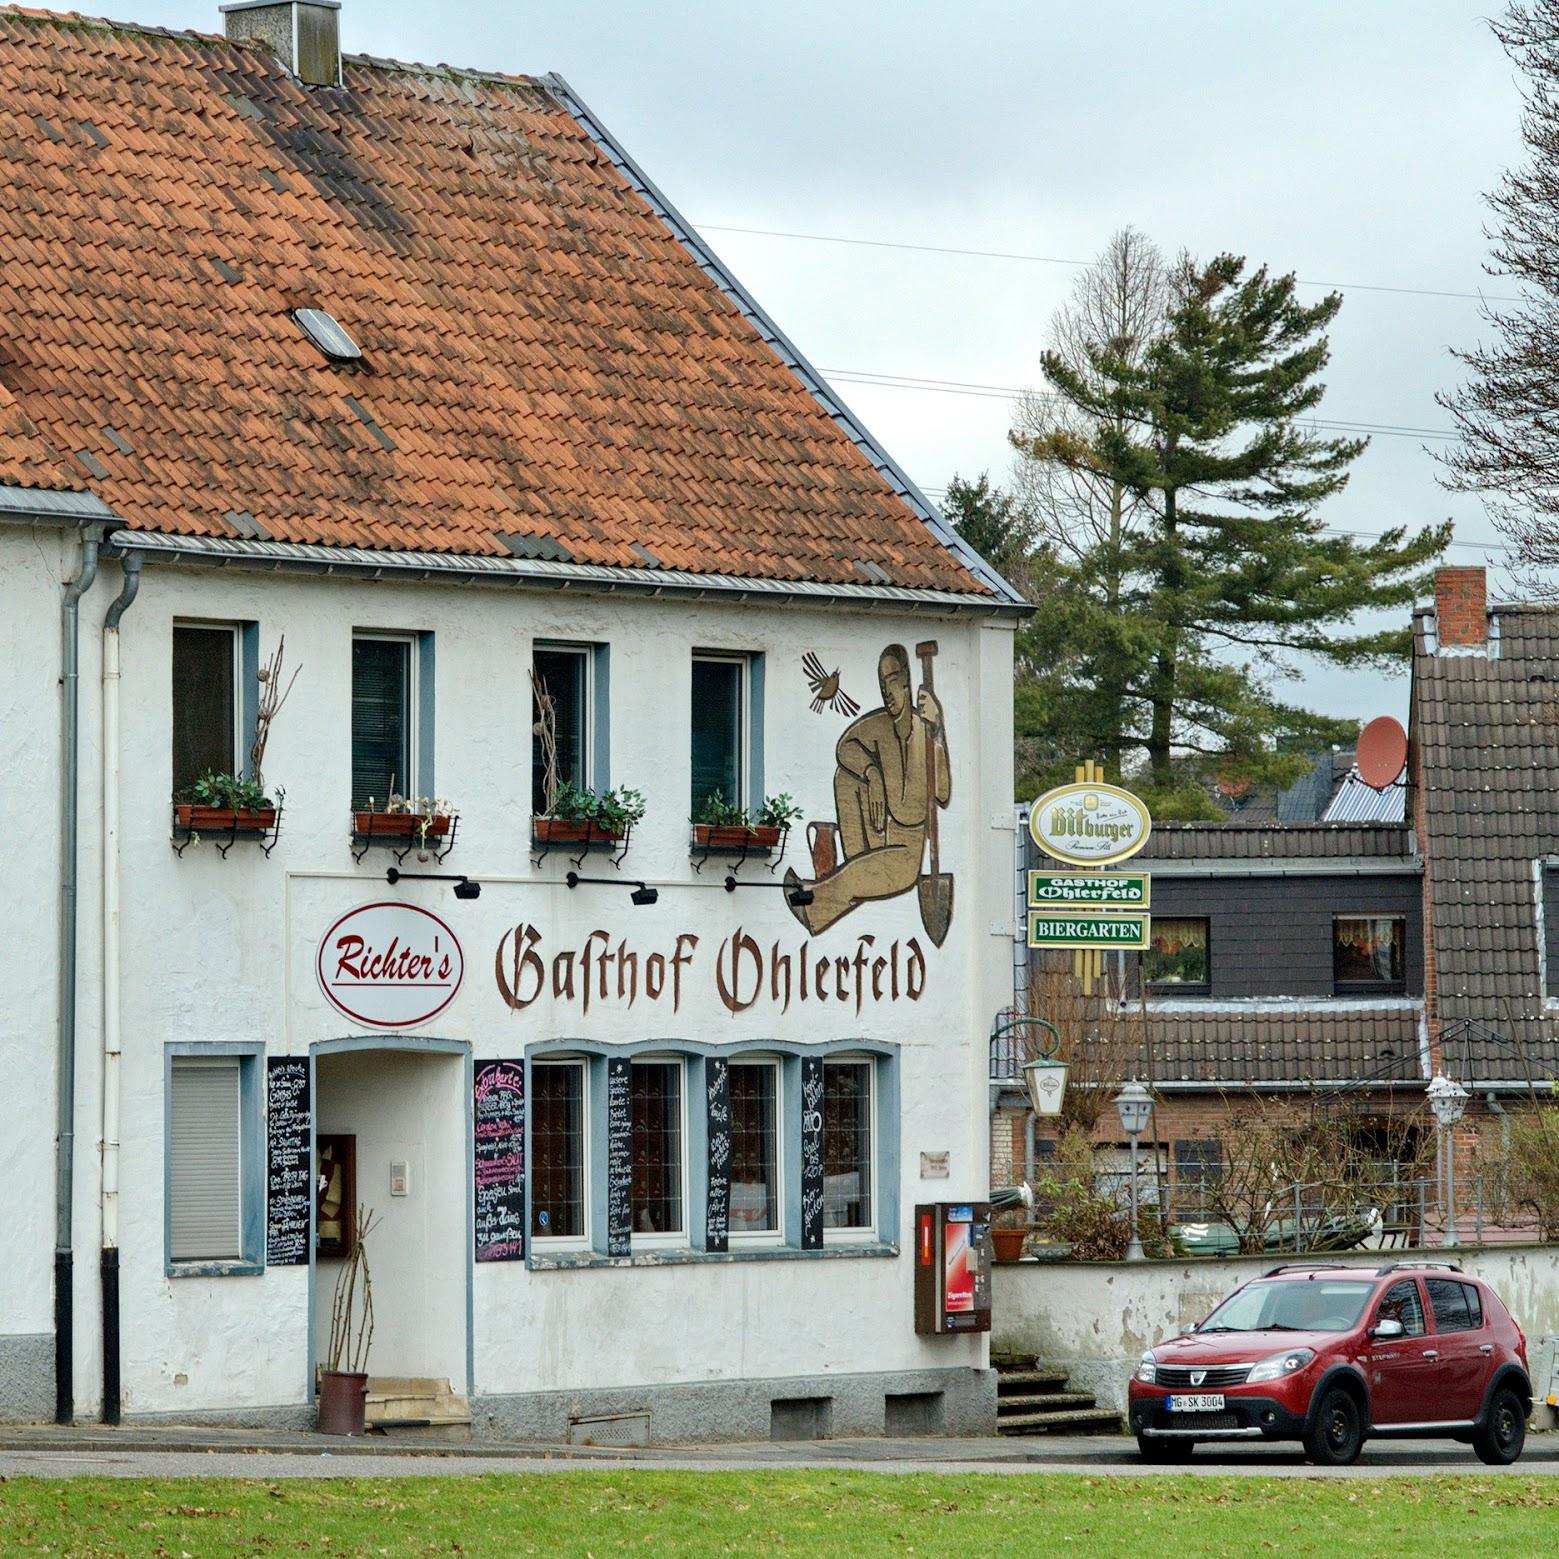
(558, 830)
(403, 825)
(191, 815)
(1007, 1244)
(734, 836)
(343, 1402)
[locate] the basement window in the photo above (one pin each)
(328, 335)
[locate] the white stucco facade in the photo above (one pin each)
(221, 951)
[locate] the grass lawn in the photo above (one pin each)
(786, 1512)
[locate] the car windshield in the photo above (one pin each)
(1314, 1305)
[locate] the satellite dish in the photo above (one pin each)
(1382, 752)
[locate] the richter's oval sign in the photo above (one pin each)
(391, 966)
(1089, 824)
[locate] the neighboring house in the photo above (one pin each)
(1346, 961)
(414, 367)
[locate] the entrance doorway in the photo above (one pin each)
(392, 1117)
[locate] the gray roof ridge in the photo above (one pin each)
(782, 346)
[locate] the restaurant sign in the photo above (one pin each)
(1088, 890)
(389, 966)
(1047, 928)
(1089, 824)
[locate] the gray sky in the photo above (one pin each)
(1349, 141)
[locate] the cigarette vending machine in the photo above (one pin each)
(952, 1267)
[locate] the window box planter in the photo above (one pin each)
(735, 836)
(195, 822)
(559, 830)
(248, 820)
(404, 832)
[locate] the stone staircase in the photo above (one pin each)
(1031, 1398)
(413, 1407)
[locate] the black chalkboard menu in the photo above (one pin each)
(288, 1161)
(619, 1157)
(499, 1150)
(811, 1153)
(717, 1204)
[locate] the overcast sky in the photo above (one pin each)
(1349, 141)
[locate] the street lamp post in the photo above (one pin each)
(1134, 1104)
(1448, 1100)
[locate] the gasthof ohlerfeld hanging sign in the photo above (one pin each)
(1089, 824)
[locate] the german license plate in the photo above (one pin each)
(1207, 1402)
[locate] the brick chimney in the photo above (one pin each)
(305, 35)
(1461, 604)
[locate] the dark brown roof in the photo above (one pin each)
(1285, 841)
(1486, 737)
(1275, 1046)
(549, 370)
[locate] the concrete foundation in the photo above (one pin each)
(26, 1379)
(950, 1402)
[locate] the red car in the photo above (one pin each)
(1329, 1355)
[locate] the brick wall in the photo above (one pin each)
(1461, 605)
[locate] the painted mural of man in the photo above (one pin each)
(882, 798)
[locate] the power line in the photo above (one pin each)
(974, 389)
(1049, 259)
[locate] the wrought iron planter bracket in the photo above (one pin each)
(223, 839)
(402, 844)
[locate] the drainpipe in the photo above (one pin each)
(64, 1184)
(108, 1269)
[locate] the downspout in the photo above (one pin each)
(64, 1183)
(108, 1268)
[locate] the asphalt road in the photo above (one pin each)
(1094, 1456)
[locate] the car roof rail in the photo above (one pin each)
(1306, 1266)
(1406, 1266)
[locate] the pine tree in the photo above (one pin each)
(1178, 628)
(990, 520)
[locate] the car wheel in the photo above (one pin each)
(1336, 1433)
(1503, 1432)
(1162, 1451)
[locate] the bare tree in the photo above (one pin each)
(1507, 412)
(1103, 1040)
(272, 696)
(1118, 303)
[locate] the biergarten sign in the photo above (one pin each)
(1089, 824)
(1091, 890)
(1049, 929)
(389, 965)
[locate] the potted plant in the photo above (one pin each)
(721, 824)
(226, 801)
(405, 817)
(577, 814)
(1009, 1233)
(343, 1378)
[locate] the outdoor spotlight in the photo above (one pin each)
(466, 889)
(800, 897)
(643, 895)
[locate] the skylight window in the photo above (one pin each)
(327, 335)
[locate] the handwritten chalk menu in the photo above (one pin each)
(499, 1123)
(619, 1157)
(717, 1214)
(811, 1153)
(288, 1162)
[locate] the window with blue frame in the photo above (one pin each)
(215, 1186)
(563, 675)
(719, 745)
(383, 718)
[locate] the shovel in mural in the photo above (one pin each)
(936, 886)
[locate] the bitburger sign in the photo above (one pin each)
(1089, 824)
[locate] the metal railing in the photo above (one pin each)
(1204, 1216)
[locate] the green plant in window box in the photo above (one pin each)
(721, 824)
(226, 801)
(579, 814)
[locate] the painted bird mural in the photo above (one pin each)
(826, 692)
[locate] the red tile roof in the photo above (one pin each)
(543, 360)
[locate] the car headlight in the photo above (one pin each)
(1280, 1364)
(1146, 1369)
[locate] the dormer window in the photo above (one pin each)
(328, 335)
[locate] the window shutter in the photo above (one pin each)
(205, 1169)
(203, 739)
(381, 720)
